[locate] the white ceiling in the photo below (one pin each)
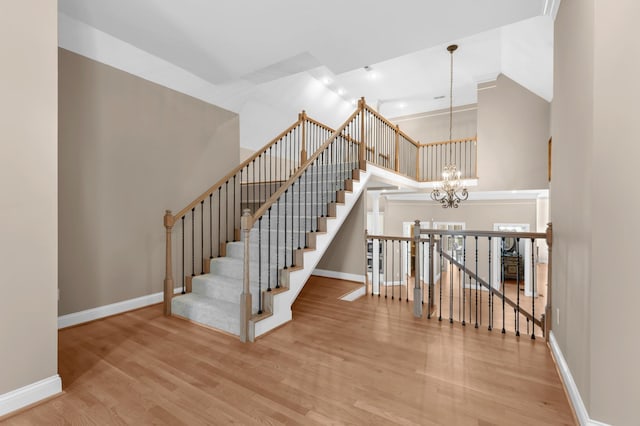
(230, 42)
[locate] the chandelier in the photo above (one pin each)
(451, 190)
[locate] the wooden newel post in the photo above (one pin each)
(547, 308)
(397, 159)
(245, 297)
(363, 143)
(168, 274)
(417, 292)
(418, 174)
(303, 122)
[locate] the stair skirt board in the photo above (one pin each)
(215, 297)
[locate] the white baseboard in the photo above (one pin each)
(112, 309)
(30, 394)
(355, 294)
(338, 275)
(570, 385)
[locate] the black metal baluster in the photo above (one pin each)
(460, 291)
(470, 298)
(219, 219)
(260, 265)
(299, 213)
(193, 248)
(476, 280)
(386, 270)
(503, 282)
(441, 263)
(293, 204)
(183, 248)
(325, 199)
(210, 226)
(271, 179)
(235, 216)
(314, 196)
(533, 289)
(429, 295)
(254, 203)
(306, 201)
(393, 268)
(408, 258)
(285, 228)
(451, 286)
(464, 281)
(518, 288)
(380, 269)
(269, 253)
(490, 298)
(202, 236)
(278, 243)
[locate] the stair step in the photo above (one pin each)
(220, 314)
(222, 288)
(233, 268)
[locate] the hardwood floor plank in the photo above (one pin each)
(363, 362)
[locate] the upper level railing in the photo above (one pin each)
(389, 147)
(435, 156)
(490, 278)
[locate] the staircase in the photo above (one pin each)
(260, 231)
(215, 296)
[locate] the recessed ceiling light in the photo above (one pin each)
(354, 101)
(341, 91)
(326, 81)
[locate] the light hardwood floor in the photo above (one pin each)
(364, 362)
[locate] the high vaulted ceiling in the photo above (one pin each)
(224, 42)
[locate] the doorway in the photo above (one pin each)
(515, 255)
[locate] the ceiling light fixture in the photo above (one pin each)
(451, 190)
(341, 91)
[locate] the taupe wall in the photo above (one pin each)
(570, 189)
(129, 149)
(477, 215)
(346, 253)
(615, 347)
(28, 184)
(594, 151)
(513, 135)
(434, 126)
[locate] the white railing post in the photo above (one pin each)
(417, 291)
(245, 297)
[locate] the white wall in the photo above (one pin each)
(28, 204)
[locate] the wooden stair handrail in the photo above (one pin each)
(276, 195)
(497, 234)
(472, 139)
(242, 165)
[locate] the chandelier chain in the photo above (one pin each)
(450, 104)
